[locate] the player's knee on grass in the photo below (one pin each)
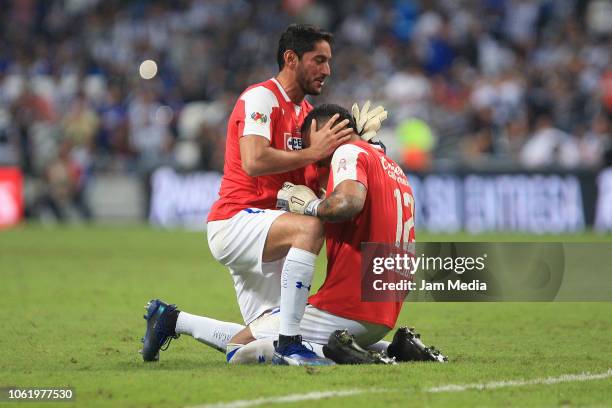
(243, 348)
(256, 352)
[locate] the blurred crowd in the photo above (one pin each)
(519, 83)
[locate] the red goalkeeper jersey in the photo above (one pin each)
(387, 217)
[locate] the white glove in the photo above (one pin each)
(297, 199)
(368, 121)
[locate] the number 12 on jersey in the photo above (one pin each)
(402, 233)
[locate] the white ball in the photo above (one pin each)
(148, 69)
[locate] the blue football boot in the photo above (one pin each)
(289, 350)
(161, 322)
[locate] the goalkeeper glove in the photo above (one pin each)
(368, 121)
(297, 199)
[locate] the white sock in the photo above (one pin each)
(213, 333)
(296, 278)
(257, 351)
(379, 346)
(260, 351)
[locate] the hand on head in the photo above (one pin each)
(333, 133)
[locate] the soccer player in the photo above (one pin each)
(270, 253)
(368, 199)
(361, 206)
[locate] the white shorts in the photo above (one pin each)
(317, 325)
(238, 243)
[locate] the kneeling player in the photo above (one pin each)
(360, 207)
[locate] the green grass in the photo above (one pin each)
(71, 304)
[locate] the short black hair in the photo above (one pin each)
(300, 38)
(326, 111)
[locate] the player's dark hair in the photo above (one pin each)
(300, 38)
(326, 111)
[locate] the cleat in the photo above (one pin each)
(294, 353)
(343, 349)
(407, 346)
(159, 333)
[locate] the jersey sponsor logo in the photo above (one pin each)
(393, 171)
(342, 165)
(293, 142)
(259, 118)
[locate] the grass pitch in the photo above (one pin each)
(72, 302)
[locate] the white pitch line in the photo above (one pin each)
(520, 383)
(317, 395)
